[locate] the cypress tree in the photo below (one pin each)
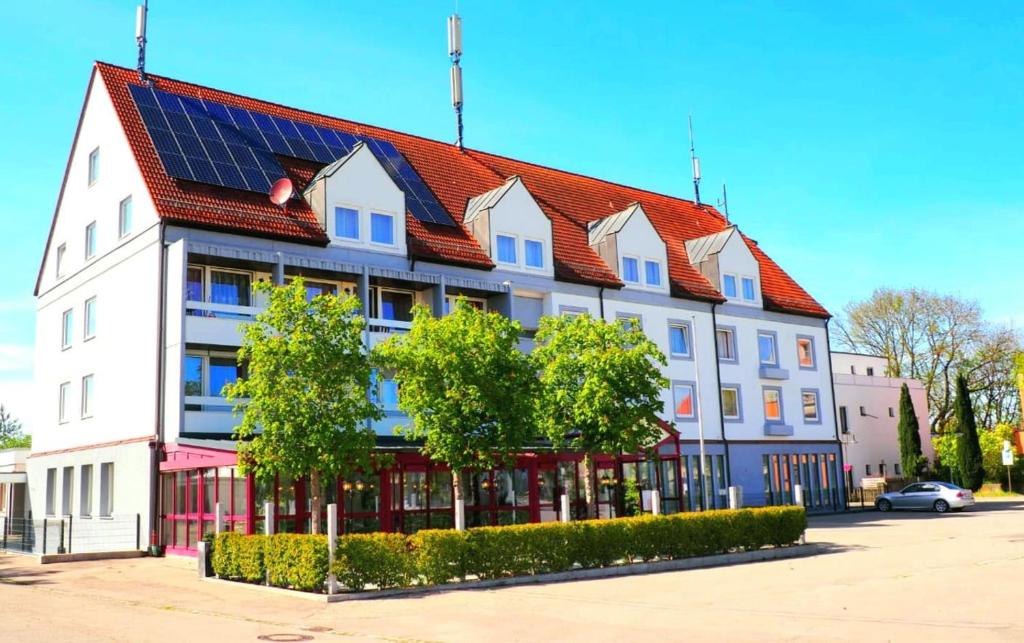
(909, 436)
(972, 473)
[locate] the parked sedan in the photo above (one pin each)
(933, 496)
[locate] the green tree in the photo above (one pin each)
(969, 462)
(909, 436)
(991, 443)
(11, 436)
(467, 388)
(304, 402)
(601, 387)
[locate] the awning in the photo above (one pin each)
(14, 478)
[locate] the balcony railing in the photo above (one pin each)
(388, 325)
(220, 311)
(209, 414)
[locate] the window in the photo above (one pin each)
(106, 489)
(748, 289)
(726, 341)
(679, 339)
(729, 285)
(863, 411)
(85, 502)
(809, 400)
(652, 272)
(194, 284)
(223, 371)
(853, 370)
(630, 270)
(193, 376)
(871, 371)
(67, 490)
(346, 223)
(867, 469)
(90, 241)
(88, 390)
(60, 259)
(766, 348)
(474, 302)
(67, 328)
(124, 218)
(805, 352)
(389, 394)
(843, 422)
(392, 305)
(630, 320)
(892, 412)
(897, 469)
(772, 404)
(881, 469)
(731, 402)
(685, 404)
(231, 288)
(51, 492)
(382, 228)
(316, 288)
(94, 165)
(90, 318)
(507, 249)
(63, 398)
(534, 253)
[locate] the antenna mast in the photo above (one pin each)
(141, 13)
(695, 162)
(455, 53)
(724, 203)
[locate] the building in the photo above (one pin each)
(13, 500)
(868, 408)
(163, 224)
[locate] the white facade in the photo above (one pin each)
(868, 407)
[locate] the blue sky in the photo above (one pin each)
(875, 144)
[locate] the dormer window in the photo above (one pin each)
(533, 253)
(507, 249)
(652, 273)
(346, 223)
(729, 286)
(748, 289)
(631, 270)
(382, 228)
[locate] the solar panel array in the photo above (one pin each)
(209, 142)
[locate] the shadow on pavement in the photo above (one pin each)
(19, 570)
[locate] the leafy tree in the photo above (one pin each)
(11, 436)
(465, 385)
(910, 438)
(304, 401)
(991, 443)
(601, 388)
(969, 462)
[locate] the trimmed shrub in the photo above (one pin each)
(377, 559)
(440, 555)
(239, 557)
(297, 561)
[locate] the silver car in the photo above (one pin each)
(933, 496)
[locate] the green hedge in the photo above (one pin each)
(434, 556)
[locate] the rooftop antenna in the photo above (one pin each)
(723, 203)
(141, 13)
(455, 53)
(695, 162)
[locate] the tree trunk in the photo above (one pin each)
(316, 502)
(589, 485)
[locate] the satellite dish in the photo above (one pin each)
(281, 191)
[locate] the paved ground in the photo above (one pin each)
(904, 577)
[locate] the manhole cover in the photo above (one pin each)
(285, 638)
(317, 628)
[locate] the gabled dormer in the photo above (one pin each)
(727, 262)
(631, 246)
(511, 228)
(358, 204)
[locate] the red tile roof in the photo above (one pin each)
(569, 200)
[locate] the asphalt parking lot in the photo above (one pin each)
(897, 576)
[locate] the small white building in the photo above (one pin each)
(868, 409)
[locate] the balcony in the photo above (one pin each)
(209, 414)
(381, 329)
(216, 324)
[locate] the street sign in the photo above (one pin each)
(1008, 457)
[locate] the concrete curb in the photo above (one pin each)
(634, 569)
(99, 555)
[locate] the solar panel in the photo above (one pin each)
(201, 140)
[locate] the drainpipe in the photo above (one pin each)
(600, 299)
(718, 380)
(160, 377)
(835, 420)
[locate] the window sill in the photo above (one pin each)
(773, 373)
(771, 428)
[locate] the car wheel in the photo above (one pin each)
(884, 505)
(941, 506)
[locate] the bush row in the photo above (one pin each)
(441, 556)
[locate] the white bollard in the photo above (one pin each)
(565, 508)
(332, 544)
(735, 497)
(201, 555)
(268, 519)
(460, 515)
(656, 502)
(218, 520)
(798, 495)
